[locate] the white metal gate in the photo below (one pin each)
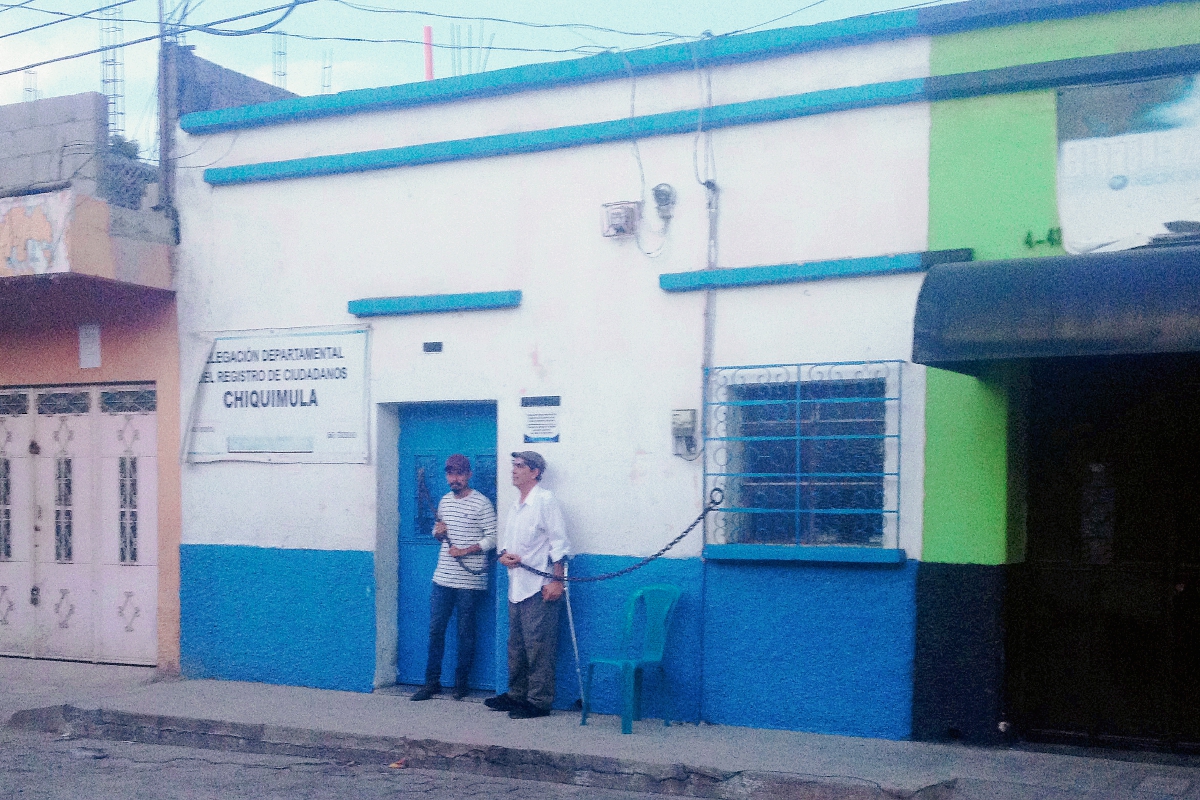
(79, 523)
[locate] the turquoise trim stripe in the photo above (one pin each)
(700, 280)
(954, 17)
(676, 122)
(432, 303)
(654, 60)
(1110, 68)
(530, 77)
(805, 553)
(1121, 66)
(788, 273)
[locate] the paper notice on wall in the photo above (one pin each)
(89, 346)
(541, 418)
(283, 397)
(1129, 164)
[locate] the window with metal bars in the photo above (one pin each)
(127, 475)
(14, 404)
(128, 401)
(64, 403)
(807, 454)
(5, 510)
(63, 500)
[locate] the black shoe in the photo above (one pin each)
(460, 692)
(502, 702)
(426, 692)
(528, 711)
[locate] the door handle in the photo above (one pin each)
(35, 595)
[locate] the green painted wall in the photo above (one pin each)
(992, 185)
(992, 163)
(992, 168)
(1168, 25)
(966, 474)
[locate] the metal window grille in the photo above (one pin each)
(5, 510)
(63, 523)
(14, 404)
(129, 401)
(807, 454)
(64, 403)
(127, 468)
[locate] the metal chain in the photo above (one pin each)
(463, 564)
(715, 498)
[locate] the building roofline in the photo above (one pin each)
(716, 51)
(1136, 65)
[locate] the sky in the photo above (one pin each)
(356, 65)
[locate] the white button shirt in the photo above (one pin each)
(534, 531)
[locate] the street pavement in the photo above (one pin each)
(41, 766)
(129, 704)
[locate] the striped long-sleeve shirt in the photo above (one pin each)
(469, 520)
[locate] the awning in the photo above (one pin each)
(65, 299)
(1133, 301)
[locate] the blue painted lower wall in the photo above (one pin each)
(826, 648)
(296, 617)
(599, 610)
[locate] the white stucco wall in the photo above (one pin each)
(594, 326)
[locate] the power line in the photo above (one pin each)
(581, 50)
(183, 28)
(501, 20)
(10, 6)
(64, 17)
(143, 40)
(287, 11)
(777, 19)
(852, 16)
(203, 28)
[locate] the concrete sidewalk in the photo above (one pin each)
(696, 760)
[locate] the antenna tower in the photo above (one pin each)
(279, 59)
(112, 67)
(327, 72)
(31, 91)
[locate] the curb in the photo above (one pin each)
(492, 760)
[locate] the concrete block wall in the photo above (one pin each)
(52, 140)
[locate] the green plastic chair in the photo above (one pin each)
(659, 603)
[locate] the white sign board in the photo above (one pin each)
(283, 397)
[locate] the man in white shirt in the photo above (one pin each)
(466, 526)
(534, 534)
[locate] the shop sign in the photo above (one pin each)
(1129, 164)
(283, 397)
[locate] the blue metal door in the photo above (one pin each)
(429, 433)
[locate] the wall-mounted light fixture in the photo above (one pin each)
(664, 201)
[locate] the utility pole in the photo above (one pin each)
(167, 91)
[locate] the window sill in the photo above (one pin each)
(804, 553)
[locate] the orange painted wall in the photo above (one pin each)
(145, 350)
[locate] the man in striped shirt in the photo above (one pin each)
(466, 526)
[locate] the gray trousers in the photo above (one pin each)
(532, 650)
